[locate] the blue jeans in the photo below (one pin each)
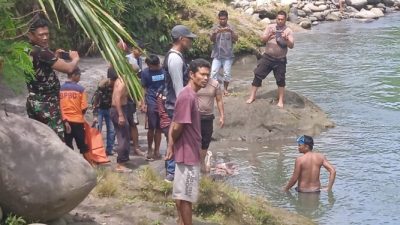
(226, 64)
(170, 164)
(105, 113)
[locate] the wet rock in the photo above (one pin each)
(263, 120)
(318, 3)
(293, 17)
(306, 24)
(333, 17)
(59, 221)
(369, 7)
(365, 14)
(389, 3)
(315, 8)
(265, 21)
(301, 13)
(373, 2)
(381, 6)
(313, 18)
(378, 12)
(352, 9)
(319, 15)
(358, 4)
(41, 178)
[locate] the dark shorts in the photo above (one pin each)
(153, 119)
(267, 64)
(77, 133)
(207, 129)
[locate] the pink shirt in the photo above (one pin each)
(187, 147)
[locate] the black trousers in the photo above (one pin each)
(77, 133)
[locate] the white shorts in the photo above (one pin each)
(186, 182)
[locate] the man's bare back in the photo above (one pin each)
(307, 170)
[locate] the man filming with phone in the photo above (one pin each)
(223, 36)
(278, 39)
(43, 102)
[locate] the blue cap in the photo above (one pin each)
(306, 140)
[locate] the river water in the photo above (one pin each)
(352, 71)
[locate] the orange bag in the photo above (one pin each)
(94, 141)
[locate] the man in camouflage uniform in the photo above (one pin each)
(43, 102)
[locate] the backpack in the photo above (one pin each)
(169, 87)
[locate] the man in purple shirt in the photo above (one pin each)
(185, 141)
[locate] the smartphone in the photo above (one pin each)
(65, 55)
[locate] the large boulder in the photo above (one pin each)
(378, 12)
(319, 15)
(263, 120)
(319, 8)
(40, 177)
(301, 13)
(306, 24)
(358, 4)
(365, 14)
(389, 3)
(374, 2)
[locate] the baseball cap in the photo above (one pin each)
(182, 31)
(306, 140)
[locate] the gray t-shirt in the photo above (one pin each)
(223, 45)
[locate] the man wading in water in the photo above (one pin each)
(278, 38)
(307, 168)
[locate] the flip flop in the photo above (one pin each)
(149, 159)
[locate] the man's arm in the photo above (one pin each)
(118, 89)
(235, 36)
(175, 132)
(332, 173)
(295, 176)
(175, 67)
(213, 36)
(267, 35)
(289, 39)
(67, 67)
(220, 106)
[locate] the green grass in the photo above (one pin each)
(108, 183)
(218, 202)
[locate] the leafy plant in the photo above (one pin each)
(14, 220)
(105, 32)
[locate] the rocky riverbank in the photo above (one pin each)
(309, 13)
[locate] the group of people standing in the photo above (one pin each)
(179, 99)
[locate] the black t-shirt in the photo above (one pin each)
(46, 81)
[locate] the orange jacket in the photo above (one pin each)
(73, 102)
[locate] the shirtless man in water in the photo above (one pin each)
(307, 168)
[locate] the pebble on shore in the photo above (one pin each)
(308, 13)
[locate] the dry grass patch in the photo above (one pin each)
(108, 183)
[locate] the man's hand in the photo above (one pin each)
(221, 122)
(67, 127)
(170, 153)
(74, 55)
(121, 120)
(143, 108)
